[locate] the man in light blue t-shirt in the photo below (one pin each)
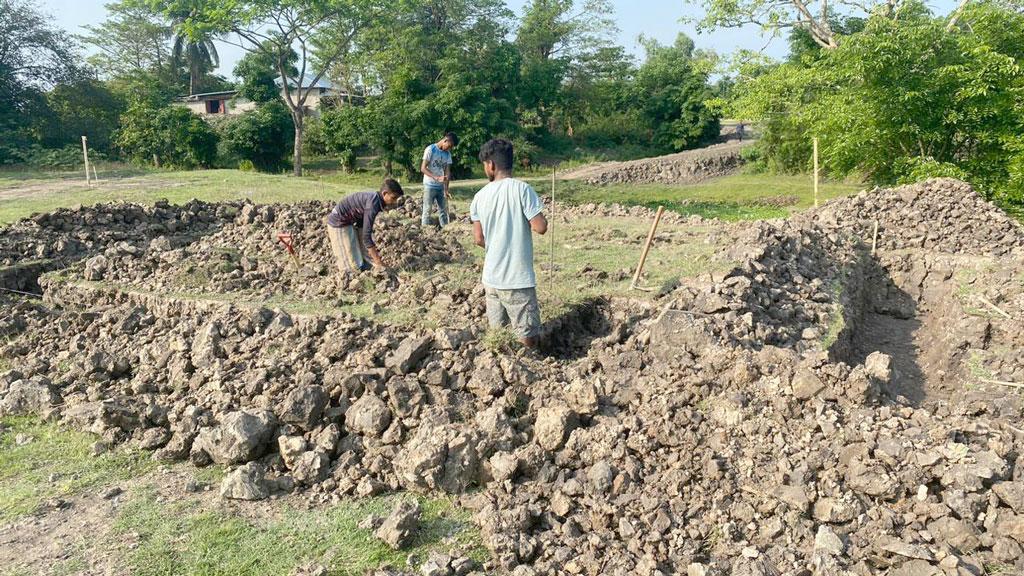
(437, 174)
(505, 213)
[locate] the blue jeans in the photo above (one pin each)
(433, 194)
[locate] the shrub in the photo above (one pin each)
(170, 136)
(613, 129)
(263, 136)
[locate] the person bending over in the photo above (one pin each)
(350, 227)
(505, 213)
(437, 174)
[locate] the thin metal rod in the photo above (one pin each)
(815, 172)
(21, 292)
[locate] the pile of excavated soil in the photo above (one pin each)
(246, 256)
(689, 167)
(742, 425)
(943, 215)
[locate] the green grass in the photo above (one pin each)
(736, 197)
(25, 470)
(183, 538)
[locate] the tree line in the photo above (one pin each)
(551, 79)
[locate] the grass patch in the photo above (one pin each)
(182, 538)
(64, 455)
(735, 197)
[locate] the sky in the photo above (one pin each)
(658, 19)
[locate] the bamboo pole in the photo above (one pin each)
(85, 155)
(647, 248)
(815, 171)
(874, 238)
(551, 227)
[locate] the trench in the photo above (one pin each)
(571, 334)
(905, 310)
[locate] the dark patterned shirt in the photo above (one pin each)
(359, 210)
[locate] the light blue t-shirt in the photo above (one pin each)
(504, 209)
(437, 160)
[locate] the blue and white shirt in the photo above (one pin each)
(437, 160)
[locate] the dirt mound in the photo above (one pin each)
(687, 167)
(245, 255)
(759, 421)
(941, 214)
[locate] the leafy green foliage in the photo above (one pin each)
(262, 136)
(86, 108)
(671, 91)
(902, 100)
(258, 72)
(171, 136)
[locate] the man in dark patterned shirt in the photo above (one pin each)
(350, 226)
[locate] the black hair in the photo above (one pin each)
(392, 185)
(498, 151)
(452, 137)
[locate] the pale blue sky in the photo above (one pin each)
(658, 19)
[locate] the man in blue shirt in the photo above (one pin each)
(437, 173)
(505, 213)
(350, 227)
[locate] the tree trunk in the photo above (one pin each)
(297, 158)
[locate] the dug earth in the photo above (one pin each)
(838, 402)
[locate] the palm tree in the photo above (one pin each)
(198, 53)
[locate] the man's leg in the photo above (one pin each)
(522, 307)
(363, 252)
(334, 236)
(496, 315)
(352, 248)
(428, 200)
(442, 208)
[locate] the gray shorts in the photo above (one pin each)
(518, 307)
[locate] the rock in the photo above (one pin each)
(111, 492)
(304, 406)
(442, 458)
(1011, 494)
(28, 397)
(553, 426)
(916, 568)
(806, 384)
(408, 354)
(247, 482)
(95, 268)
(437, 564)
(368, 416)
(206, 347)
(154, 438)
(601, 476)
(405, 396)
(503, 466)
(400, 525)
(310, 467)
(795, 496)
(827, 542)
(879, 366)
(241, 436)
(290, 448)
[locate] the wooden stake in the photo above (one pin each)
(95, 176)
(85, 154)
(994, 307)
(551, 228)
(874, 238)
(815, 172)
(647, 248)
(1002, 383)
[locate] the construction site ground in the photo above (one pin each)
(833, 392)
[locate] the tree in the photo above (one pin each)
(671, 91)
(815, 17)
(431, 67)
(86, 107)
(258, 74)
(194, 48)
(33, 57)
(556, 39)
(322, 31)
(261, 136)
(903, 99)
(169, 136)
(132, 40)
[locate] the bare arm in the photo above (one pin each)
(478, 234)
(375, 256)
(447, 180)
(539, 224)
(425, 170)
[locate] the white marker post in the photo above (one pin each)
(85, 154)
(815, 172)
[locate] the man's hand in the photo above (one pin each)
(478, 235)
(378, 262)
